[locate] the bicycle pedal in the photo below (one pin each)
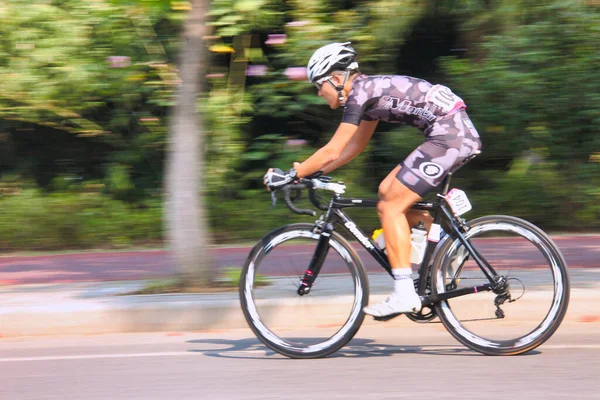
(387, 317)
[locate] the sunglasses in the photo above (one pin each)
(319, 83)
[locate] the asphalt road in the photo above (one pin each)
(392, 360)
(579, 252)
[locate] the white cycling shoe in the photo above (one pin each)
(398, 303)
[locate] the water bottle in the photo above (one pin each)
(418, 242)
(379, 239)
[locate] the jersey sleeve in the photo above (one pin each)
(356, 106)
(353, 114)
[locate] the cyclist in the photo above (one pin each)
(450, 138)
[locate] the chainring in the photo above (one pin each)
(427, 313)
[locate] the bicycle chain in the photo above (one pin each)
(467, 279)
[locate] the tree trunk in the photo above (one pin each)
(185, 213)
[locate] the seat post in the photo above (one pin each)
(446, 184)
(446, 181)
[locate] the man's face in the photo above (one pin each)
(328, 92)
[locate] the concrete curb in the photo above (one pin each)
(78, 312)
(154, 313)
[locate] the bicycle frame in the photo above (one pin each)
(334, 214)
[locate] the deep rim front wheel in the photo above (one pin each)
(309, 326)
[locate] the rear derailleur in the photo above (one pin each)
(502, 289)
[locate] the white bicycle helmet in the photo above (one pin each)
(332, 57)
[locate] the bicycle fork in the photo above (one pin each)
(310, 275)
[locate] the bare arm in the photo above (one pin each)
(357, 145)
(328, 153)
(347, 142)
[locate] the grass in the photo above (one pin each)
(227, 282)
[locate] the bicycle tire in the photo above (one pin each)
(248, 302)
(558, 280)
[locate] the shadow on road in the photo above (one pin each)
(252, 348)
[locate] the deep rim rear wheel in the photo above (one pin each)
(534, 304)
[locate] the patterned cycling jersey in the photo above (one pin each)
(399, 99)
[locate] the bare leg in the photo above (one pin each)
(414, 216)
(394, 201)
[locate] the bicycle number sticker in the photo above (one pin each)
(458, 201)
(443, 97)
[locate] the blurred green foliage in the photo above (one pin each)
(35, 221)
(535, 96)
(87, 87)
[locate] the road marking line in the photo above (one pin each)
(92, 356)
(451, 347)
(569, 346)
(199, 353)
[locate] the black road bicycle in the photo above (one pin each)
(498, 283)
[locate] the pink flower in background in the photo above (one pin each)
(256, 70)
(215, 76)
(297, 23)
(295, 143)
(276, 38)
(296, 73)
(119, 61)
